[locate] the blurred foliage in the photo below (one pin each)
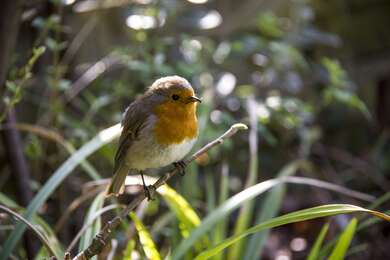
(80, 63)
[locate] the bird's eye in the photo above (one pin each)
(175, 97)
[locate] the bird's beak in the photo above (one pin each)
(194, 99)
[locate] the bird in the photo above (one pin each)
(159, 128)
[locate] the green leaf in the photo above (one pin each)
(55, 180)
(50, 236)
(128, 250)
(314, 252)
(235, 201)
(337, 75)
(327, 248)
(40, 224)
(94, 228)
(268, 210)
(183, 211)
(246, 211)
(220, 213)
(8, 201)
(345, 240)
(297, 216)
(145, 239)
(269, 25)
(188, 219)
(348, 98)
(220, 230)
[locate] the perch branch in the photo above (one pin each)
(101, 239)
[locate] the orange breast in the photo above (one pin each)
(175, 122)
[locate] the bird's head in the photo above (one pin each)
(173, 93)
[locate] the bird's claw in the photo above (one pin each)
(149, 192)
(180, 166)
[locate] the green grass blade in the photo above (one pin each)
(363, 225)
(220, 230)
(88, 235)
(50, 235)
(357, 249)
(268, 210)
(186, 215)
(37, 233)
(183, 211)
(342, 245)
(41, 225)
(145, 239)
(297, 216)
(235, 201)
(246, 211)
(210, 193)
(55, 180)
(128, 250)
(220, 213)
(368, 222)
(90, 170)
(314, 252)
(5, 200)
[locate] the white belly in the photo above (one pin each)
(149, 154)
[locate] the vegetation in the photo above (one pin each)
(304, 181)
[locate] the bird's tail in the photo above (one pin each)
(117, 184)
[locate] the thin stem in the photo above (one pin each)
(88, 224)
(31, 226)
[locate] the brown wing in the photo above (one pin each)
(133, 121)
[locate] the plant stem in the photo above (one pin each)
(31, 226)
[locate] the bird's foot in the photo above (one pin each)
(181, 167)
(149, 191)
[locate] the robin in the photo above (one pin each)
(159, 128)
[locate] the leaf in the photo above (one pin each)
(104, 137)
(183, 211)
(39, 223)
(314, 252)
(220, 230)
(49, 234)
(368, 222)
(348, 98)
(188, 219)
(247, 208)
(128, 250)
(220, 213)
(37, 233)
(297, 216)
(269, 24)
(337, 75)
(235, 201)
(145, 238)
(268, 210)
(345, 240)
(327, 248)
(7, 201)
(94, 228)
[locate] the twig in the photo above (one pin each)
(101, 239)
(90, 75)
(31, 226)
(329, 186)
(73, 206)
(89, 223)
